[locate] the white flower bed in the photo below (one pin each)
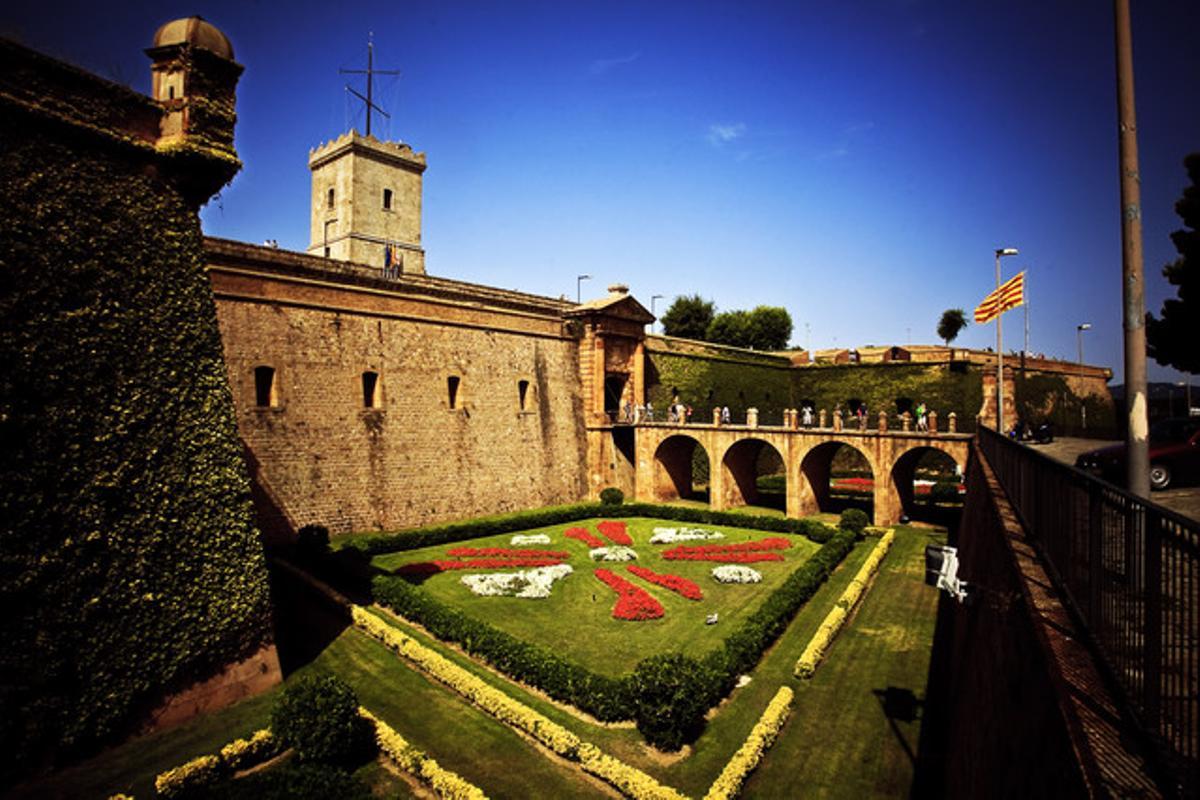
(533, 583)
(673, 535)
(530, 538)
(615, 553)
(736, 573)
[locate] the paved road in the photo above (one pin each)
(1183, 500)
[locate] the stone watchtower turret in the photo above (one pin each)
(194, 81)
(366, 198)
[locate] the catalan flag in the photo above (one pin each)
(1010, 295)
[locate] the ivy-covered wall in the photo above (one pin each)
(1050, 397)
(706, 377)
(893, 387)
(130, 561)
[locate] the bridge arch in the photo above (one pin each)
(673, 460)
(926, 462)
(814, 473)
(740, 467)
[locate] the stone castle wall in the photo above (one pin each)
(321, 456)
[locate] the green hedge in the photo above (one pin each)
(130, 559)
(612, 699)
(557, 515)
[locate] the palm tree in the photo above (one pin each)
(953, 320)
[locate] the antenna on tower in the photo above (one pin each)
(370, 72)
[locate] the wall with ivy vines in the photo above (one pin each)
(131, 565)
(706, 378)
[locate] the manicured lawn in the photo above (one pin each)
(856, 723)
(838, 743)
(582, 602)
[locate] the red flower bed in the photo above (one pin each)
(724, 558)
(634, 603)
(433, 567)
(616, 533)
(506, 552)
(681, 586)
(773, 543)
(585, 537)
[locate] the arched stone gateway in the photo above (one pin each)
(739, 467)
(815, 472)
(904, 474)
(673, 468)
(663, 462)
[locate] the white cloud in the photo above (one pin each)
(719, 134)
(603, 65)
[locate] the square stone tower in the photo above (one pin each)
(366, 199)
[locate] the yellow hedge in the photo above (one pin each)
(629, 780)
(833, 622)
(198, 772)
(415, 762)
(748, 756)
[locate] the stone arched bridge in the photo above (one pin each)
(662, 462)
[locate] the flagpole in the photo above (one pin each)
(1001, 251)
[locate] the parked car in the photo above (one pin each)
(1174, 454)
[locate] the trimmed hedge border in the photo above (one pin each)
(417, 538)
(208, 769)
(609, 699)
(631, 781)
(416, 762)
(822, 640)
(729, 783)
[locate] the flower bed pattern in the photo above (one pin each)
(613, 554)
(529, 538)
(673, 535)
(532, 583)
(585, 537)
(615, 532)
(681, 586)
(735, 574)
(744, 553)
(634, 603)
(434, 567)
(506, 552)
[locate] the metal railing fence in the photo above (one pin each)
(1130, 569)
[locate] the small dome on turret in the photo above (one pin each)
(197, 32)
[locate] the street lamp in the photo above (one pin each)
(579, 279)
(1002, 251)
(1079, 329)
(652, 299)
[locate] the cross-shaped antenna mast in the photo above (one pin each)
(370, 72)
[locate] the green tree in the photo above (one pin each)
(770, 328)
(952, 322)
(1173, 339)
(729, 327)
(688, 317)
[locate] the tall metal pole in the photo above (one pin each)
(1133, 287)
(1026, 350)
(999, 359)
(1001, 251)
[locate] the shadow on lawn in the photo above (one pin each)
(306, 621)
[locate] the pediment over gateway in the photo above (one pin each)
(618, 304)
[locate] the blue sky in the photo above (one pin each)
(854, 162)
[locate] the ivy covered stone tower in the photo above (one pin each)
(194, 80)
